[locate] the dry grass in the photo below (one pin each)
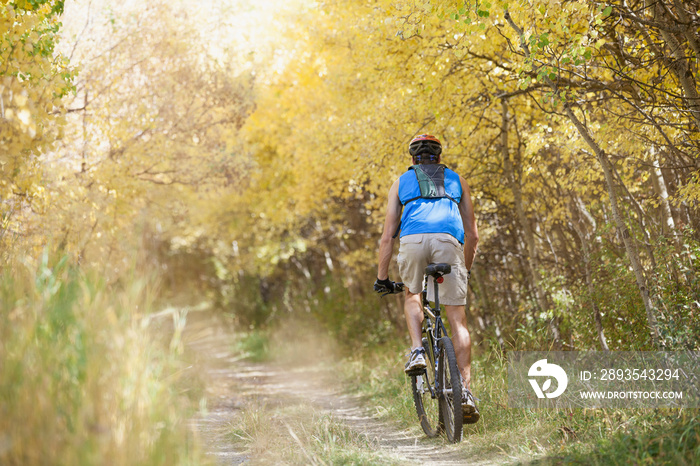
(83, 378)
(299, 434)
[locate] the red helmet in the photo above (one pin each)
(425, 143)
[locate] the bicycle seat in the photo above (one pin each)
(438, 269)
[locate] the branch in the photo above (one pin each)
(508, 95)
(515, 27)
(77, 40)
(655, 24)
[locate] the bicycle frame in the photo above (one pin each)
(433, 328)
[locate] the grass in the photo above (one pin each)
(519, 436)
(254, 346)
(84, 379)
(299, 433)
(671, 437)
(504, 435)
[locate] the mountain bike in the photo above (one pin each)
(437, 389)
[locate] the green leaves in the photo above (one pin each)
(525, 83)
(471, 14)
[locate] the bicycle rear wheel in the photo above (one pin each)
(450, 383)
(427, 407)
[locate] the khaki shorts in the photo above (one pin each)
(417, 251)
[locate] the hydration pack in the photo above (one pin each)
(431, 181)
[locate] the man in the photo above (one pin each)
(437, 225)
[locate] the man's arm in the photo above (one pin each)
(391, 223)
(471, 234)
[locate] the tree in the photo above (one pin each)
(151, 139)
(33, 81)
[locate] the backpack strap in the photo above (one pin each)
(421, 197)
(398, 229)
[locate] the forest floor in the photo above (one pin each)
(269, 413)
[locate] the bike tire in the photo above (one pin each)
(427, 407)
(450, 383)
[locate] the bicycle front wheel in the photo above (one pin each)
(449, 384)
(427, 406)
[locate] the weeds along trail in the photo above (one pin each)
(266, 413)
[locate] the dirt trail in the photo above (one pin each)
(234, 384)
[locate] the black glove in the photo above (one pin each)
(384, 286)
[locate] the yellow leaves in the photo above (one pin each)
(160, 141)
(21, 99)
(24, 117)
(157, 145)
(28, 81)
(690, 192)
(18, 112)
(23, 5)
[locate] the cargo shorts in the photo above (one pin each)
(417, 251)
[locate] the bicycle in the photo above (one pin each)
(437, 389)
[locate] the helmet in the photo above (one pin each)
(425, 144)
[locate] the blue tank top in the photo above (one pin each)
(436, 215)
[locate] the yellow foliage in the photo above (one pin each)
(329, 134)
(150, 136)
(154, 136)
(32, 81)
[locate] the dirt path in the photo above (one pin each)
(234, 385)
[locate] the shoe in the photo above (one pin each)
(470, 413)
(416, 361)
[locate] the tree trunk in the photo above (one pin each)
(487, 305)
(622, 228)
(689, 33)
(668, 223)
(679, 64)
(640, 217)
(577, 225)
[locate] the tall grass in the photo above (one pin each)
(83, 379)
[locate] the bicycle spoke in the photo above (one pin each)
(451, 396)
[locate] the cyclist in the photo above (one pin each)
(437, 225)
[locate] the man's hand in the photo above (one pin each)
(386, 286)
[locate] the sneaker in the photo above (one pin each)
(416, 361)
(470, 413)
